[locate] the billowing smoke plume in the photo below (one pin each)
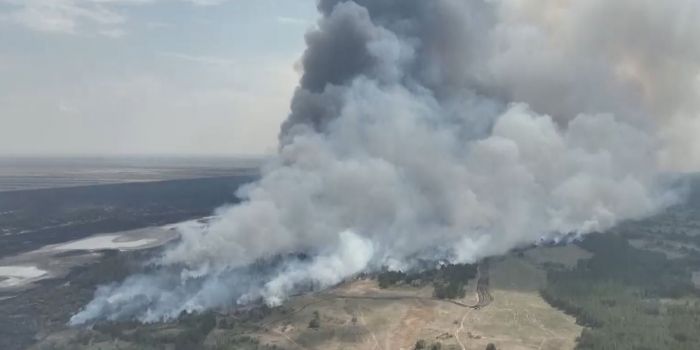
(427, 130)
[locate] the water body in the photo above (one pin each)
(25, 173)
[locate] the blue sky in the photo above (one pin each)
(148, 76)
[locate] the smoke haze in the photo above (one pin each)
(444, 130)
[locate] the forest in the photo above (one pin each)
(448, 280)
(628, 298)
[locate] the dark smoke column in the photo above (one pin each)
(439, 42)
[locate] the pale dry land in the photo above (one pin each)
(360, 315)
(138, 239)
(12, 276)
(106, 242)
(54, 261)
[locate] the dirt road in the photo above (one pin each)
(484, 297)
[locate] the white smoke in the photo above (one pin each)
(443, 130)
(351, 257)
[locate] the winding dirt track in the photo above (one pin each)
(483, 295)
(483, 298)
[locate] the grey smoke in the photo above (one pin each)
(445, 130)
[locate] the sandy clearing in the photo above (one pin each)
(15, 276)
(119, 242)
(396, 318)
(89, 249)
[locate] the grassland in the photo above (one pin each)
(358, 314)
(361, 315)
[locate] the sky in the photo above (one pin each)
(115, 77)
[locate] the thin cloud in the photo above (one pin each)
(200, 59)
(292, 20)
(77, 16)
(113, 32)
(61, 16)
(206, 2)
